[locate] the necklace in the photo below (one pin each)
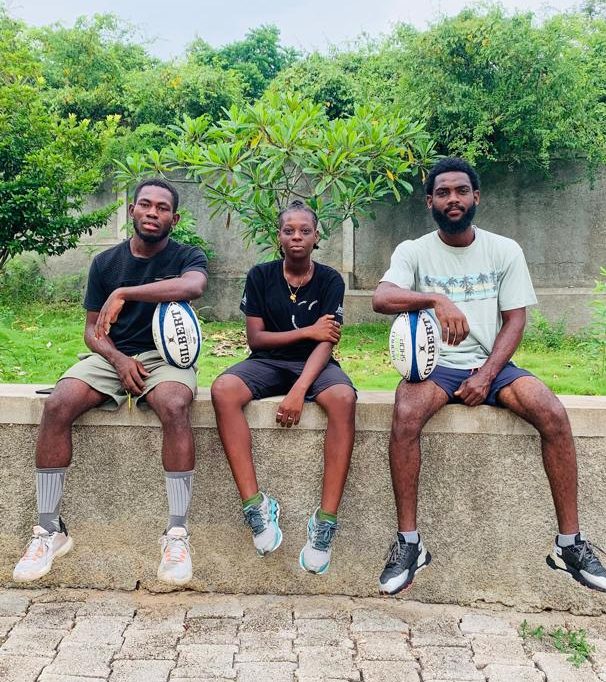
(293, 294)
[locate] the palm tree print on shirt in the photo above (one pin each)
(463, 287)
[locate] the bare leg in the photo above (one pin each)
(67, 402)
(533, 401)
(339, 403)
(171, 401)
(414, 405)
(229, 395)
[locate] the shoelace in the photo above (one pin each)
(254, 518)
(175, 549)
(587, 551)
(396, 552)
(323, 534)
(33, 548)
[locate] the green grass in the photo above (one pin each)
(40, 342)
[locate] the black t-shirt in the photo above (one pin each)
(117, 267)
(267, 295)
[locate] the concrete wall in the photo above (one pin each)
(485, 509)
(559, 222)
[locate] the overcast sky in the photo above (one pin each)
(305, 24)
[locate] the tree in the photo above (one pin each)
(85, 67)
(48, 165)
(260, 157)
(257, 59)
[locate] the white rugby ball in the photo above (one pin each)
(177, 333)
(414, 345)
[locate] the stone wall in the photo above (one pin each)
(485, 509)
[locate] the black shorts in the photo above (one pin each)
(449, 380)
(266, 378)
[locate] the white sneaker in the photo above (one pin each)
(175, 565)
(263, 520)
(43, 548)
(315, 555)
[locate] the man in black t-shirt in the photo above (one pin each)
(125, 284)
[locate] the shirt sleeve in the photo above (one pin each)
(515, 287)
(403, 266)
(195, 260)
(252, 298)
(95, 292)
(332, 300)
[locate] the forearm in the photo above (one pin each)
(175, 289)
(316, 362)
(264, 340)
(394, 299)
(103, 345)
(505, 345)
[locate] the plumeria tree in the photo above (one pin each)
(262, 156)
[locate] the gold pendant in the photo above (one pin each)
(293, 298)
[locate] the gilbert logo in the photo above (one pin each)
(430, 350)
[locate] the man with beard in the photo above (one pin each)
(478, 286)
(125, 283)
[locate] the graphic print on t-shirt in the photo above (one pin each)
(465, 287)
(293, 318)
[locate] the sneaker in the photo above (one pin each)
(403, 562)
(43, 548)
(580, 562)
(263, 521)
(315, 556)
(175, 565)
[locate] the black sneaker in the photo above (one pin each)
(403, 561)
(580, 562)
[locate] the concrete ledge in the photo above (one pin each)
(485, 510)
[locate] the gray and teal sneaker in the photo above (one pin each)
(263, 521)
(315, 556)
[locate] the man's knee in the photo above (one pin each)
(407, 421)
(553, 419)
(61, 409)
(172, 406)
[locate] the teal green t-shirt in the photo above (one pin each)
(482, 279)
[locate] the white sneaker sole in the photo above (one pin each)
(42, 572)
(174, 581)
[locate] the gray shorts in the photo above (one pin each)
(94, 370)
(266, 378)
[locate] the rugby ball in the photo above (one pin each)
(177, 333)
(414, 345)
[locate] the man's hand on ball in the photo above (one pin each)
(453, 322)
(109, 313)
(132, 374)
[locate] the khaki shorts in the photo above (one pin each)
(94, 370)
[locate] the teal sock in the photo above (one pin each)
(257, 498)
(321, 515)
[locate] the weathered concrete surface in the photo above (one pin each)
(485, 509)
(145, 637)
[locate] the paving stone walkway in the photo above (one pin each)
(70, 635)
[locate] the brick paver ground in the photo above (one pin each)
(70, 635)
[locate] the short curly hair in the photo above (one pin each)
(449, 165)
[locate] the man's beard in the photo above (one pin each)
(150, 238)
(454, 226)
